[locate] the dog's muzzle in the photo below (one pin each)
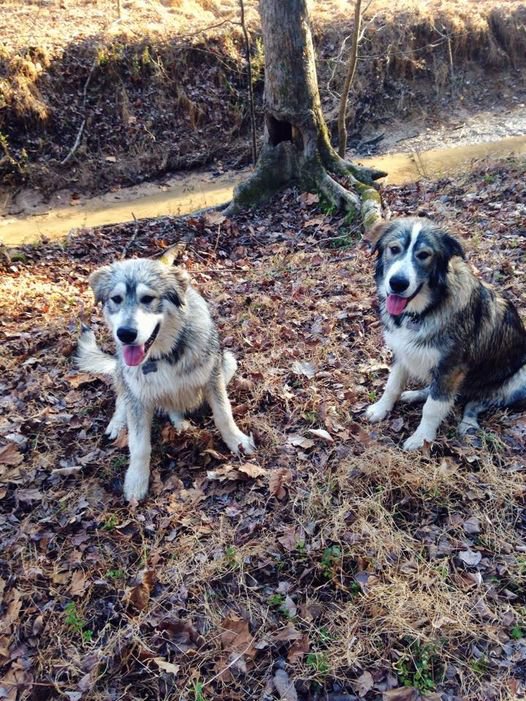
(134, 355)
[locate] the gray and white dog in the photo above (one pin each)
(445, 327)
(168, 358)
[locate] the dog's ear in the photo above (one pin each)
(178, 281)
(452, 247)
(100, 283)
(375, 237)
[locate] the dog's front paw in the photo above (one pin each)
(136, 485)
(240, 442)
(178, 421)
(377, 411)
(417, 440)
(114, 428)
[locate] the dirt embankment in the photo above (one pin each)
(152, 94)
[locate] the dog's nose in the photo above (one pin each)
(398, 283)
(126, 334)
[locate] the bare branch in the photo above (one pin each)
(351, 70)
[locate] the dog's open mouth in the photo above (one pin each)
(395, 304)
(134, 355)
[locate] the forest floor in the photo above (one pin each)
(331, 566)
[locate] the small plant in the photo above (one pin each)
(118, 462)
(517, 633)
(110, 523)
(197, 690)
(419, 667)
(231, 556)
(76, 622)
(372, 396)
(330, 559)
(276, 600)
(318, 662)
(115, 574)
(326, 207)
(324, 636)
(480, 666)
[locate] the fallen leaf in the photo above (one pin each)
(236, 636)
(212, 218)
(402, 693)
(28, 495)
(364, 684)
(472, 525)
(80, 378)
(122, 439)
(252, 470)
(470, 557)
(303, 368)
(299, 441)
(166, 666)
(10, 455)
(321, 433)
(284, 686)
(278, 481)
(298, 649)
(139, 596)
(78, 583)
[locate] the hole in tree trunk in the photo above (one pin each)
(278, 131)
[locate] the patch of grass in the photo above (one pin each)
(330, 560)
(319, 663)
(75, 621)
(420, 667)
(110, 523)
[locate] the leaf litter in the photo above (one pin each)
(330, 566)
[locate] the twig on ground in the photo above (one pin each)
(83, 124)
(131, 241)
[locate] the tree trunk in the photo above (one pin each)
(296, 145)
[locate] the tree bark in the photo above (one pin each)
(296, 144)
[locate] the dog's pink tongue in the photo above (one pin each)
(395, 304)
(133, 355)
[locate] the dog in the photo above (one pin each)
(168, 358)
(445, 327)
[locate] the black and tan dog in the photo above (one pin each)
(445, 327)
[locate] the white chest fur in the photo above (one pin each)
(419, 360)
(168, 389)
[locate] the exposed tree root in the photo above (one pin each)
(282, 165)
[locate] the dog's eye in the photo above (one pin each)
(423, 255)
(395, 249)
(116, 299)
(146, 299)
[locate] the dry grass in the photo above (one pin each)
(344, 558)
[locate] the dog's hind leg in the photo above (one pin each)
(118, 421)
(395, 384)
(217, 397)
(415, 396)
(470, 417)
(139, 442)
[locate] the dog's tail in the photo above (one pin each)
(90, 358)
(229, 366)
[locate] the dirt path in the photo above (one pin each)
(183, 194)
